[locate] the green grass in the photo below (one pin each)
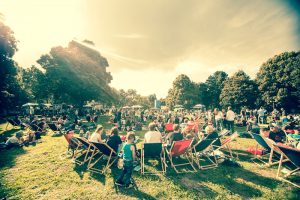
(45, 171)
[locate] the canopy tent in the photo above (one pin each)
(87, 106)
(178, 106)
(198, 106)
(30, 104)
(137, 106)
(126, 107)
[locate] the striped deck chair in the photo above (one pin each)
(293, 155)
(182, 149)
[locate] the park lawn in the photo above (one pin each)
(45, 171)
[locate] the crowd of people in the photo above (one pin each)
(163, 126)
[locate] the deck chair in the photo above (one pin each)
(293, 155)
(106, 153)
(54, 128)
(72, 144)
(225, 144)
(15, 124)
(151, 151)
(204, 148)
(181, 148)
(275, 152)
(268, 155)
(169, 127)
(84, 149)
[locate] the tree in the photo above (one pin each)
(215, 84)
(278, 81)
(11, 94)
(183, 92)
(76, 74)
(239, 91)
(204, 98)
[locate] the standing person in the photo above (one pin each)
(218, 119)
(230, 116)
(129, 157)
(224, 119)
(261, 115)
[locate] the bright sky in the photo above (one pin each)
(149, 43)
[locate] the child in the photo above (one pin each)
(129, 157)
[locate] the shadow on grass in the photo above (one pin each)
(237, 180)
(131, 192)
(7, 160)
(7, 133)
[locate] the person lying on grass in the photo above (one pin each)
(129, 157)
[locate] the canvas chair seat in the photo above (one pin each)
(151, 151)
(293, 155)
(181, 149)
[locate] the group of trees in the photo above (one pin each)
(276, 84)
(77, 73)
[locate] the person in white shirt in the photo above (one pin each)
(96, 136)
(218, 119)
(230, 116)
(153, 136)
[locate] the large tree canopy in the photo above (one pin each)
(10, 92)
(183, 92)
(215, 84)
(239, 91)
(278, 80)
(75, 74)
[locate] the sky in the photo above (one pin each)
(149, 43)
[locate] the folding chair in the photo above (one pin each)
(169, 128)
(13, 123)
(106, 153)
(86, 148)
(268, 153)
(72, 144)
(54, 128)
(151, 151)
(225, 144)
(204, 148)
(181, 148)
(293, 155)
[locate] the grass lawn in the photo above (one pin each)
(45, 171)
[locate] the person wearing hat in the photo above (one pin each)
(276, 134)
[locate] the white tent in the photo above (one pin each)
(137, 106)
(198, 106)
(30, 104)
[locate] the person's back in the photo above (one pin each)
(114, 141)
(127, 152)
(153, 137)
(175, 136)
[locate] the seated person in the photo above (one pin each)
(174, 136)
(212, 135)
(153, 136)
(114, 139)
(14, 141)
(276, 134)
(97, 135)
